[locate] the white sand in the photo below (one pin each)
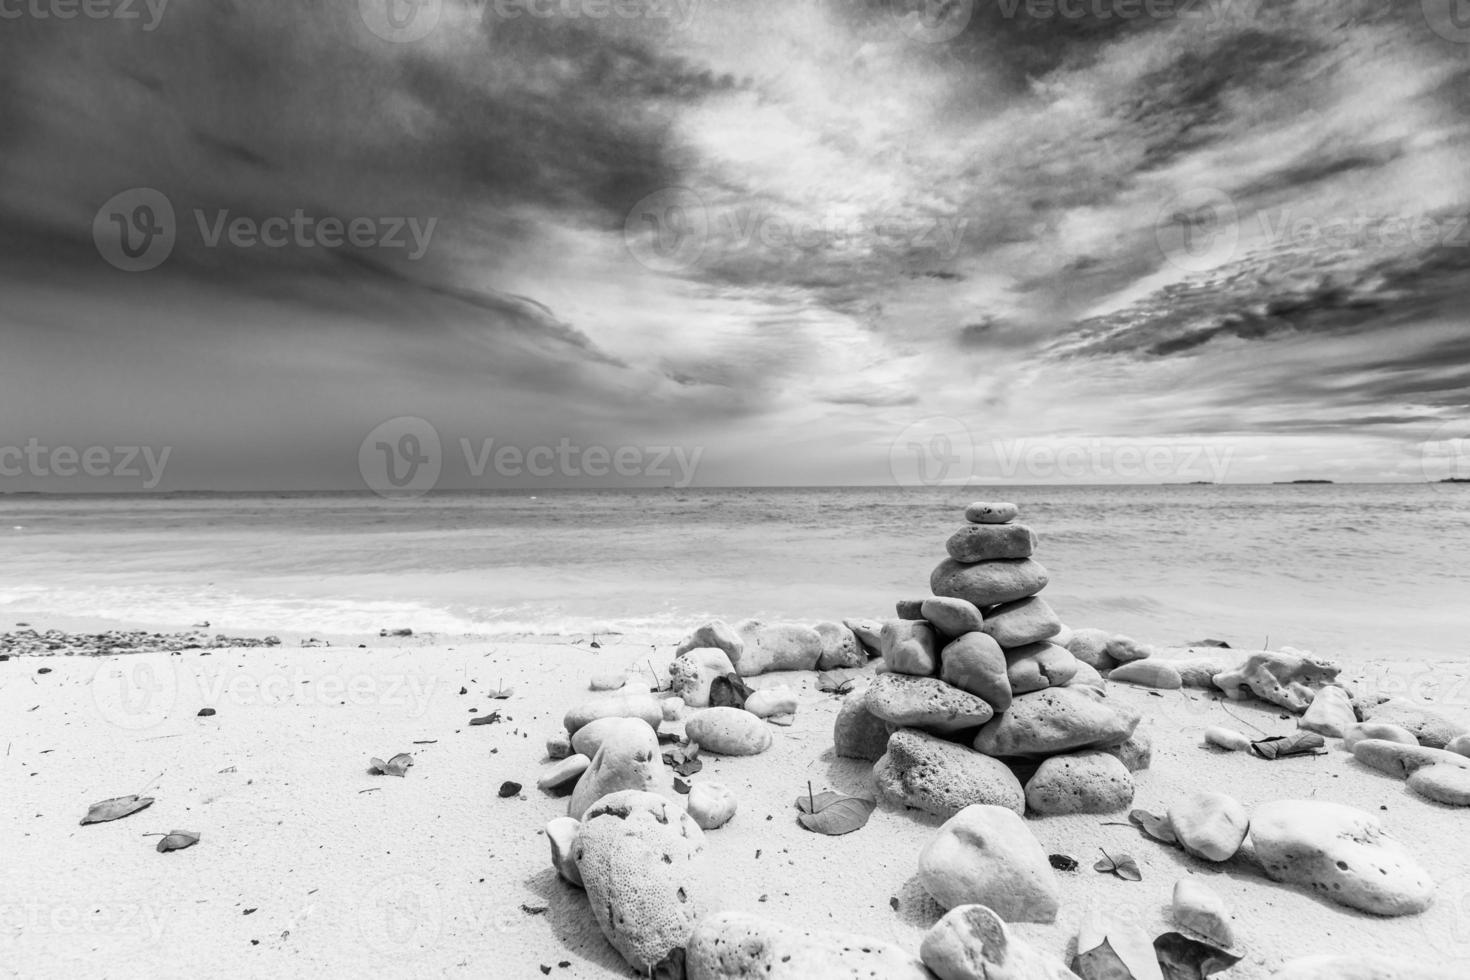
(427, 875)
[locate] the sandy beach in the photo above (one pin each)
(309, 863)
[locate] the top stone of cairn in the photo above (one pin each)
(982, 512)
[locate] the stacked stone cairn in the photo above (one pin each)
(984, 708)
(979, 690)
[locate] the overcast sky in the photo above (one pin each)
(804, 240)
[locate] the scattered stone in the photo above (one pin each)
(910, 646)
(1210, 825)
(628, 759)
(1449, 785)
(866, 631)
(986, 512)
(975, 663)
(636, 704)
(910, 608)
(607, 682)
(562, 833)
(989, 583)
(559, 746)
(1059, 719)
(776, 646)
(717, 634)
(692, 673)
(1429, 727)
(1038, 666)
(986, 542)
(1285, 677)
(508, 789)
(564, 773)
(1340, 852)
(1227, 738)
(942, 778)
(1091, 647)
(925, 702)
(1398, 759)
(1157, 674)
(589, 737)
(1086, 676)
(1200, 909)
(1360, 967)
(952, 617)
(1082, 782)
(739, 946)
(1379, 730)
(1024, 621)
(971, 942)
(636, 853)
(840, 647)
(1460, 745)
(1136, 752)
(986, 855)
(712, 805)
(728, 731)
(1200, 672)
(1330, 713)
(858, 733)
(673, 708)
(769, 701)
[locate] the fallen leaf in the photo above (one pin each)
(680, 786)
(833, 813)
(535, 909)
(684, 760)
(1123, 866)
(1156, 826)
(177, 840)
(729, 692)
(396, 766)
(508, 789)
(206, 713)
(1062, 862)
(1281, 746)
(490, 719)
(1183, 958)
(836, 681)
(116, 808)
(1110, 948)
(667, 738)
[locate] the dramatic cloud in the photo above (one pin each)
(787, 234)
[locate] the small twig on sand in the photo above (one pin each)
(150, 783)
(811, 800)
(1239, 719)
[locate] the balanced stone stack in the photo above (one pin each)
(975, 687)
